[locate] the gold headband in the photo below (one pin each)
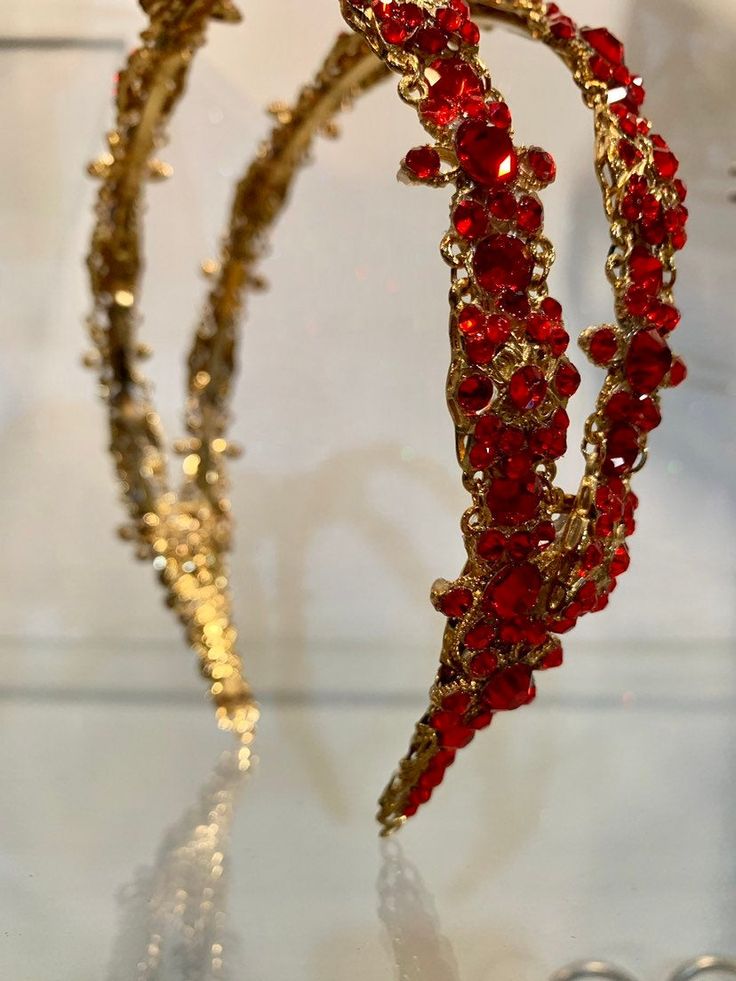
(538, 558)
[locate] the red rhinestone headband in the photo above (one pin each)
(537, 558)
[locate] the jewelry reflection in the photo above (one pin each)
(707, 964)
(172, 920)
(407, 911)
(586, 970)
(698, 968)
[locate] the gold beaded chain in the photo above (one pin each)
(187, 532)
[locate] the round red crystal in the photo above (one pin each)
(474, 393)
(541, 165)
(639, 410)
(502, 205)
(567, 379)
(527, 388)
(621, 561)
(470, 319)
(647, 362)
(480, 637)
(622, 450)
(677, 373)
(502, 262)
(530, 214)
(513, 501)
(455, 602)
(491, 545)
(645, 270)
(486, 153)
(498, 114)
(455, 88)
(483, 664)
(423, 162)
(514, 593)
(603, 346)
(510, 688)
(470, 219)
(666, 163)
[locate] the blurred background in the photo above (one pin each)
(602, 823)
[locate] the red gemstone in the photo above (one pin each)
(604, 43)
(430, 39)
(637, 301)
(394, 31)
(541, 165)
(628, 154)
(563, 28)
(621, 561)
(510, 688)
(552, 308)
(592, 557)
(622, 450)
(502, 205)
(488, 428)
(411, 14)
(645, 270)
(480, 349)
(513, 502)
(498, 114)
(666, 164)
(455, 602)
(471, 319)
(502, 262)
(457, 737)
(516, 304)
(567, 379)
(677, 374)
(603, 346)
(474, 393)
(547, 441)
(559, 341)
(527, 388)
(456, 89)
(486, 153)
(480, 637)
(470, 33)
(423, 162)
(539, 327)
(553, 658)
(483, 665)
(459, 702)
(647, 361)
(449, 20)
(515, 592)
(498, 328)
(470, 219)
(511, 440)
(530, 214)
(601, 68)
(491, 546)
(639, 410)
(664, 316)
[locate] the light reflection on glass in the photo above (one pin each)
(172, 922)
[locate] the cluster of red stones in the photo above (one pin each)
(510, 378)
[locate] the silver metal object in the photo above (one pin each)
(704, 965)
(583, 970)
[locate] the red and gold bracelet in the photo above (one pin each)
(537, 557)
